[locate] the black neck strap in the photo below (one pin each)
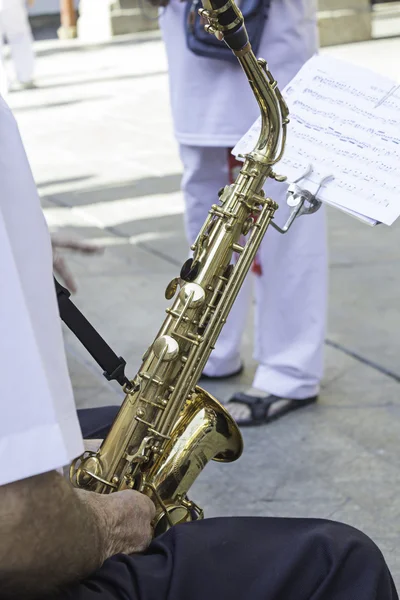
(112, 365)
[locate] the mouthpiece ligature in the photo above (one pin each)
(225, 21)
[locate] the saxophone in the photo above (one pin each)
(168, 428)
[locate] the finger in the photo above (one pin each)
(78, 246)
(146, 504)
(141, 503)
(60, 267)
(150, 507)
(145, 541)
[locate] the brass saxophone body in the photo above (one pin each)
(168, 428)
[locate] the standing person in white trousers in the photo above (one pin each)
(14, 26)
(212, 107)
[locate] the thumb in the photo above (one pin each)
(61, 268)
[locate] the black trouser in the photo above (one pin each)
(96, 422)
(246, 558)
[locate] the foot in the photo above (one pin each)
(258, 408)
(223, 377)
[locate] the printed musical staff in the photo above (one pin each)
(345, 121)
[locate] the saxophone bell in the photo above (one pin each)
(205, 431)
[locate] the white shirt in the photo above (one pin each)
(211, 100)
(39, 430)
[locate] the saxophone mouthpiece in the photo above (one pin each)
(226, 22)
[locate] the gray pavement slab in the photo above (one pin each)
(99, 137)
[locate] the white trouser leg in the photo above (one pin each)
(205, 172)
(225, 358)
(291, 297)
(17, 30)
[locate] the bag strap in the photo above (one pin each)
(112, 365)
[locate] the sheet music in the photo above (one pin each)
(345, 121)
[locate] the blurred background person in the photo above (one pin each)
(15, 28)
(212, 107)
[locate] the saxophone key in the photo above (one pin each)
(171, 288)
(279, 178)
(166, 348)
(192, 295)
(247, 225)
(190, 270)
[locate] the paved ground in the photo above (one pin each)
(98, 134)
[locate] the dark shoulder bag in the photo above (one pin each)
(255, 13)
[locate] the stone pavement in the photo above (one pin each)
(99, 137)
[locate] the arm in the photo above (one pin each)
(52, 535)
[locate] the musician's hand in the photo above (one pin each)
(59, 264)
(124, 520)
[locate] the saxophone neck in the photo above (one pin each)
(274, 111)
(226, 22)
